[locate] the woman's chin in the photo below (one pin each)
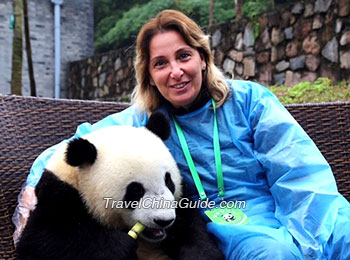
(184, 100)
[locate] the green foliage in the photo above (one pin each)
(117, 22)
(322, 90)
(252, 8)
(256, 27)
(129, 24)
(198, 10)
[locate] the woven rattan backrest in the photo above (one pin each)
(328, 124)
(29, 125)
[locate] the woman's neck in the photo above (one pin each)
(201, 100)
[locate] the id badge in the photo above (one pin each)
(231, 216)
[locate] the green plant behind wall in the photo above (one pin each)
(322, 90)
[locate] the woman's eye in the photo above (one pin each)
(159, 63)
(184, 56)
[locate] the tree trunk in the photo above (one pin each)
(211, 15)
(239, 9)
(17, 50)
(29, 49)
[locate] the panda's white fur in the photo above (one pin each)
(126, 164)
(124, 154)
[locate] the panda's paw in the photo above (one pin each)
(129, 244)
(190, 254)
(122, 246)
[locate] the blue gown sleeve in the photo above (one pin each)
(300, 180)
(130, 116)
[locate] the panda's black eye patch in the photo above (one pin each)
(134, 192)
(169, 183)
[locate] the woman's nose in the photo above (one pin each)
(176, 72)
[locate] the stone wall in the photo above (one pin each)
(108, 76)
(304, 42)
(308, 40)
(76, 43)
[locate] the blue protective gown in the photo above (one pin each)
(269, 162)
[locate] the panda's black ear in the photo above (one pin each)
(80, 151)
(158, 123)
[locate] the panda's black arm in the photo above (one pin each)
(61, 228)
(188, 238)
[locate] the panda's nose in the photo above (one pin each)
(163, 223)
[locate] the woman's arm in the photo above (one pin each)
(300, 179)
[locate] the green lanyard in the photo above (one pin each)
(193, 170)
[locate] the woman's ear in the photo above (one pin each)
(151, 81)
(203, 63)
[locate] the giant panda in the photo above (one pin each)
(75, 217)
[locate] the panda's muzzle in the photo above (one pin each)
(164, 223)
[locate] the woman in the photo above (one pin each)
(292, 205)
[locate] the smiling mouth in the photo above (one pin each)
(179, 86)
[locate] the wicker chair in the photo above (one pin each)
(29, 125)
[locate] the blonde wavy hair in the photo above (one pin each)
(147, 97)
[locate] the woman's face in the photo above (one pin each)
(175, 68)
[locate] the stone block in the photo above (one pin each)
(263, 42)
(119, 76)
(248, 38)
(322, 6)
(329, 18)
(265, 74)
(249, 51)
(292, 49)
(309, 10)
(277, 53)
(273, 18)
(236, 55)
(239, 69)
(279, 78)
(330, 51)
(288, 32)
(311, 44)
(292, 78)
(297, 8)
(102, 79)
(345, 38)
(117, 64)
(216, 38)
(249, 67)
(327, 33)
(308, 76)
(312, 62)
(344, 7)
(239, 42)
(263, 57)
(302, 28)
(338, 25)
(277, 36)
(285, 19)
(317, 22)
(328, 71)
(345, 59)
(95, 82)
(297, 63)
(282, 66)
(263, 21)
(104, 59)
(218, 57)
(228, 66)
